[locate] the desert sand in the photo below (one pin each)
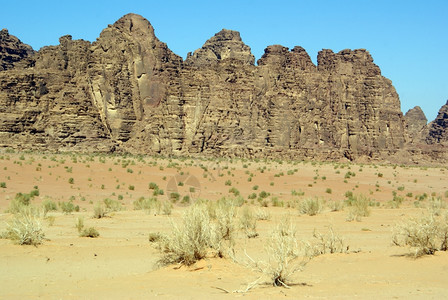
(122, 264)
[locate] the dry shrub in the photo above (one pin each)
(436, 205)
(166, 208)
(197, 236)
(327, 243)
(358, 207)
(311, 206)
(286, 255)
(49, 205)
(99, 210)
(155, 237)
(25, 228)
(225, 220)
(335, 205)
(20, 202)
(425, 235)
(112, 205)
(79, 224)
(86, 232)
(143, 203)
(248, 222)
(262, 214)
(90, 232)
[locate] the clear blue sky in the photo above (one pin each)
(407, 39)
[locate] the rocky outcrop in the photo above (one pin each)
(225, 45)
(47, 105)
(416, 121)
(128, 92)
(438, 129)
(12, 50)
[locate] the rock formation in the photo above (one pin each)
(438, 129)
(128, 92)
(416, 121)
(12, 50)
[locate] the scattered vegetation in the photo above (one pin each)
(68, 207)
(425, 235)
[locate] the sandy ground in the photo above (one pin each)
(121, 263)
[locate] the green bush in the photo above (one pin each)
(112, 205)
(174, 197)
(234, 191)
(49, 205)
(263, 195)
(90, 232)
(297, 193)
(68, 207)
(153, 186)
(185, 199)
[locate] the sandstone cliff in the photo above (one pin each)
(128, 92)
(438, 129)
(12, 50)
(416, 121)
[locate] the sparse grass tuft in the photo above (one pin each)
(248, 222)
(25, 228)
(358, 207)
(99, 210)
(311, 206)
(143, 203)
(49, 205)
(112, 205)
(262, 214)
(335, 205)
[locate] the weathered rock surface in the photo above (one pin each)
(12, 50)
(416, 120)
(438, 129)
(128, 92)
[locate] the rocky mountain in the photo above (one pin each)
(438, 129)
(416, 121)
(12, 50)
(128, 92)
